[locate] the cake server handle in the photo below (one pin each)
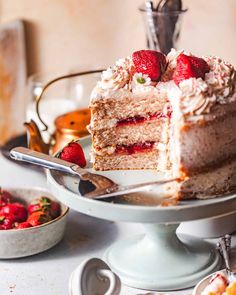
(47, 161)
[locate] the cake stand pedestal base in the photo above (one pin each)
(160, 260)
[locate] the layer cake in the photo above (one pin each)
(174, 113)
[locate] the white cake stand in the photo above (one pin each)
(158, 259)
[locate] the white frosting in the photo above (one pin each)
(221, 79)
(196, 96)
(113, 78)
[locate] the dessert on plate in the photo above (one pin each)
(219, 285)
(174, 114)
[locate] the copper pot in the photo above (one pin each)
(69, 127)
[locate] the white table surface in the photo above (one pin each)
(86, 237)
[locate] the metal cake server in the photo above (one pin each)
(91, 185)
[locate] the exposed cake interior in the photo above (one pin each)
(184, 128)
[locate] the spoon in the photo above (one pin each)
(153, 41)
(169, 5)
(224, 248)
(166, 23)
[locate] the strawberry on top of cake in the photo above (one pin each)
(173, 113)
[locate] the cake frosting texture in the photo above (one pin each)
(183, 128)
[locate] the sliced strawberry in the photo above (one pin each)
(38, 218)
(149, 62)
(7, 221)
(41, 204)
(33, 207)
(15, 209)
(22, 225)
(189, 67)
(46, 205)
(73, 153)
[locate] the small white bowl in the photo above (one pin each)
(16, 243)
(204, 282)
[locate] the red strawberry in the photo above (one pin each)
(22, 225)
(189, 67)
(149, 62)
(15, 209)
(73, 153)
(34, 206)
(38, 218)
(55, 209)
(5, 198)
(46, 205)
(41, 204)
(7, 221)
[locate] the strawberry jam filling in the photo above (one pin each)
(141, 119)
(135, 148)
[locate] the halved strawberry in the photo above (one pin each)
(46, 205)
(15, 209)
(189, 67)
(149, 62)
(73, 153)
(38, 218)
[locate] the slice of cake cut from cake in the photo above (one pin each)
(174, 113)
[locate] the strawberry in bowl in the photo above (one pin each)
(5, 197)
(15, 215)
(16, 210)
(45, 205)
(26, 232)
(38, 218)
(7, 221)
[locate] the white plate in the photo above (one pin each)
(203, 283)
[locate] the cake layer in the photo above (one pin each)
(130, 134)
(108, 113)
(147, 160)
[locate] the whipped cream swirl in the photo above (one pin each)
(221, 79)
(218, 87)
(195, 99)
(118, 76)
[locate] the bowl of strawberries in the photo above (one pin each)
(31, 221)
